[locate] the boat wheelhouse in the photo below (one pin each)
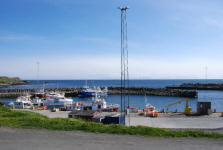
(57, 100)
(91, 92)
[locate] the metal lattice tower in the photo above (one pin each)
(124, 60)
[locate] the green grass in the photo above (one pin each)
(21, 119)
(8, 80)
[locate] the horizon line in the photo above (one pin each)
(129, 79)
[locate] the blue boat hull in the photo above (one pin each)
(90, 94)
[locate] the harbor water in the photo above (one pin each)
(216, 97)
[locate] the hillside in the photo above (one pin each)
(7, 80)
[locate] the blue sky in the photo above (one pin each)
(80, 39)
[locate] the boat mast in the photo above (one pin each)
(37, 76)
(206, 75)
(145, 100)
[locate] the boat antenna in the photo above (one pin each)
(37, 76)
(86, 82)
(145, 100)
(206, 74)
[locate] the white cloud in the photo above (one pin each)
(68, 2)
(98, 40)
(215, 22)
(196, 12)
(19, 38)
(108, 67)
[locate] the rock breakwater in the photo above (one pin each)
(73, 92)
(197, 86)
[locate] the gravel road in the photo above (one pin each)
(32, 139)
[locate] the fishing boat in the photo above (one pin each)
(40, 93)
(37, 102)
(22, 102)
(55, 99)
(149, 109)
(97, 103)
(92, 91)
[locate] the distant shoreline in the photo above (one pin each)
(8, 81)
(3, 85)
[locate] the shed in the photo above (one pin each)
(83, 114)
(114, 119)
(204, 108)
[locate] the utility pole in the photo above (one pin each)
(124, 61)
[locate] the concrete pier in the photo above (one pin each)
(178, 121)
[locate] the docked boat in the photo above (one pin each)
(57, 100)
(37, 102)
(97, 104)
(91, 92)
(40, 93)
(22, 102)
(150, 110)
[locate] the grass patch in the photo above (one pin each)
(7, 80)
(21, 119)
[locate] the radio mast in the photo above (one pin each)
(124, 61)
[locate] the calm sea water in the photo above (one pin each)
(216, 97)
(133, 83)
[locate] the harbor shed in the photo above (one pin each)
(109, 118)
(114, 119)
(83, 114)
(204, 108)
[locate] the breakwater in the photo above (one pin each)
(73, 92)
(197, 86)
(154, 92)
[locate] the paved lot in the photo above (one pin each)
(171, 121)
(29, 139)
(178, 121)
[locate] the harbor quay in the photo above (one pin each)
(73, 92)
(178, 121)
(174, 121)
